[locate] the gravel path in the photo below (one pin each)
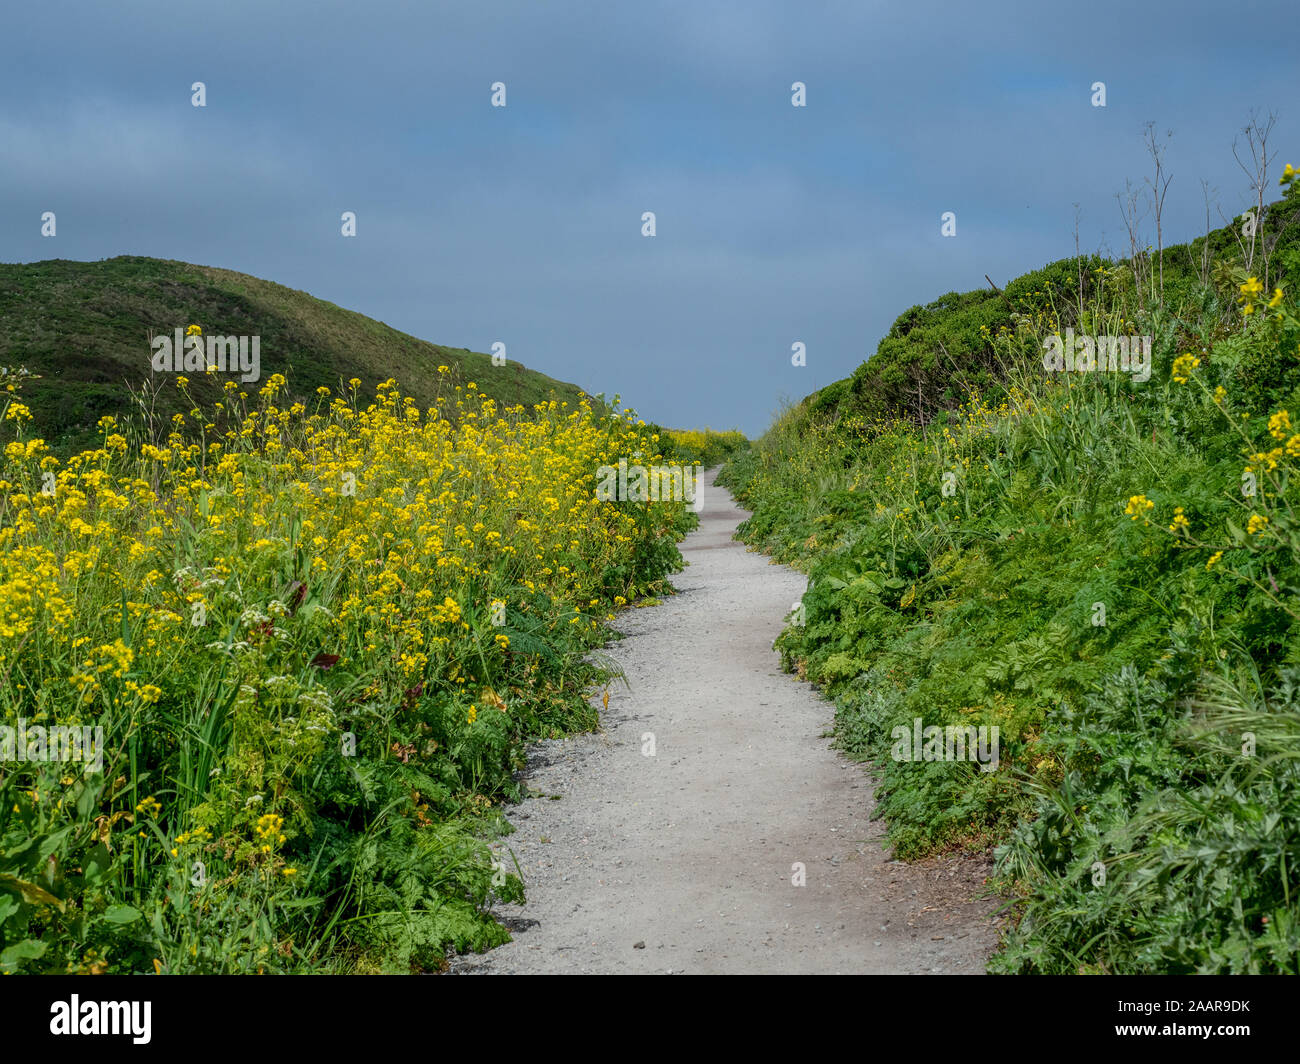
(683, 861)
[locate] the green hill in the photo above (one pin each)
(935, 355)
(1099, 568)
(84, 328)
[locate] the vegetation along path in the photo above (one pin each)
(685, 861)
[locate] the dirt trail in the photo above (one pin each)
(682, 862)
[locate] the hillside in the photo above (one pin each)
(936, 353)
(84, 327)
(1096, 573)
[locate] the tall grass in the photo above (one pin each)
(1071, 557)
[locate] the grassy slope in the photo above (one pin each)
(84, 328)
(934, 355)
(1122, 741)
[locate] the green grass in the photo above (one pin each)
(934, 355)
(84, 327)
(1007, 551)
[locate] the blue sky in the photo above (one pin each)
(522, 224)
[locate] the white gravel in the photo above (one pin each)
(683, 861)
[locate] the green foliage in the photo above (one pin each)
(705, 447)
(1164, 849)
(1070, 557)
(311, 775)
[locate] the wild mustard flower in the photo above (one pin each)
(1183, 366)
(149, 807)
(1138, 506)
(1248, 291)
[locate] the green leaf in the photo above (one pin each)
(87, 800)
(30, 892)
(27, 950)
(121, 914)
(53, 843)
(863, 585)
(97, 863)
(7, 907)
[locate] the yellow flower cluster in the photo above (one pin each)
(149, 807)
(268, 827)
(704, 446)
(1250, 292)
(1138, 506)
(122, 567)
(1183, 366)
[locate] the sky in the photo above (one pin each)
(522, 224)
